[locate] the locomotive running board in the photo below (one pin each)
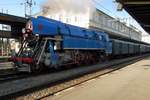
(56, 39)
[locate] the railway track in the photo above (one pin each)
(49, 84)
(15, 75)
(12, 76)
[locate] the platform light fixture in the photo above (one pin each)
(120, 7)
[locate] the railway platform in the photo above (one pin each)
(6, 65)
(129, 83)
(6, 68)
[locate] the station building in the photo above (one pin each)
(146, 38)
(96, 20)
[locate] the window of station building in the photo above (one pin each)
(120, 27)
(68, 20)
(117, 26)
(103, 20)
(97, 18)
(76, 19)
(126, 29)
(60, 18)
(110, 23)
(106, 21)
(100, 19)
(114, 25)
(53, 17)
(94, 15)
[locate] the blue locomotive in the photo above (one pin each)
(52, 44)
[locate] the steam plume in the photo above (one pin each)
(69, 6)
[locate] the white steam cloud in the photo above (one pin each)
(69, 6)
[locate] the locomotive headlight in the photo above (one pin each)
(23, 31)
(29, 27)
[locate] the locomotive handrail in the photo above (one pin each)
(42, 52)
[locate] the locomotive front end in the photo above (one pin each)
(37, 49)
(23, 60)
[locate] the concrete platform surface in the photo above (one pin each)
(129, 83)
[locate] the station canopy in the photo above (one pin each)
(11, 19)
(16, 23)
(138, 9)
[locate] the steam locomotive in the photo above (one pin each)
(52, 44)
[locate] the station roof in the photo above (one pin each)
(138, 9)
(12, 20)
(16, 23)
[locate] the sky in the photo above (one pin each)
(15, 7)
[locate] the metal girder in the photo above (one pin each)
(136, 2)
(16, 23)
(120, 7)
(138, 9)
(141, 2)
(121, 3)
(11, 19)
